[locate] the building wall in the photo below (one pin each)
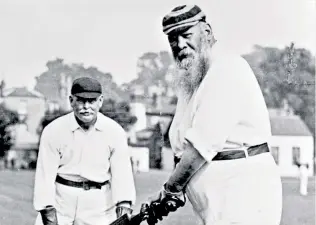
(285, 145)
(163, 120)
(140, 158)
(139, 110)
(167, 159)
(33, 107)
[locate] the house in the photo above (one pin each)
(23, 152)
(291, 141)
(145, 140)
(29, 104)
(31, 107)
(146, 137)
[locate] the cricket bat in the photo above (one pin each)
(144, 214)
(134, 219)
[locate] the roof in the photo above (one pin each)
(291, 125)
(22, 92)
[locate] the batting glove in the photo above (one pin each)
(49, 216)
(123, 208)
(163, 203)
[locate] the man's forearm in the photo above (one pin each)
(191, 161)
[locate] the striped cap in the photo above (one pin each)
(182, 17)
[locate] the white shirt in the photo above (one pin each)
(227, 111)
(98, 155)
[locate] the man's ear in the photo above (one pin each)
(208, 30)
(100, 101)
(71, 100)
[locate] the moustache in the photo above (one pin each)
(184, 54)
(85, 112)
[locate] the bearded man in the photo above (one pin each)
(220, 131)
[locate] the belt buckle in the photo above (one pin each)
(86, 186)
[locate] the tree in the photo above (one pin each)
(288, 74)
(283, 74)
(118, 111)
(7, 119)
(152, 69)
(55, 83)
(49, 117)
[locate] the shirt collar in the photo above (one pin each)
(74, 124)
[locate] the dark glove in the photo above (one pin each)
(165, 196)
(49, 216)
(165, 202)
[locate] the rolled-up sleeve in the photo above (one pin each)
(46, 171)
(122, 178)
(218, 107)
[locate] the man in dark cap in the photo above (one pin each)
(219, 132)
(83, 174)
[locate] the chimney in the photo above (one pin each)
(2, 86)
(287, 109)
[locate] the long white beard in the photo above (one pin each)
(188, 75)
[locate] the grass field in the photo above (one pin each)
(16, 199)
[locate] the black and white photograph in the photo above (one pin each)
(157, 112)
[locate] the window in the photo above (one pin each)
(296, 155)
(275, 154)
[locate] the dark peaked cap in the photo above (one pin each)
(181, 17)
(86, 87)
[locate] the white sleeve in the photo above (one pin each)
(122, 178)
(219, 107)
(46, 171)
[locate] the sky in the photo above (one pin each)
(112, 35)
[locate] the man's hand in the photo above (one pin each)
(49, 216)
(165, 202)
(173, 195)
(163, 197)
(123, 208)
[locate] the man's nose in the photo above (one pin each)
(181, 42)
(86, 104)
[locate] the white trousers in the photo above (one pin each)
(76, 206)
(244, 191)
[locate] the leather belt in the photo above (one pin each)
(86, 185)
(238, 154)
